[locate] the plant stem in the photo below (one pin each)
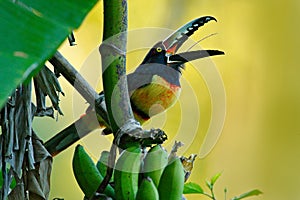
(80, 84)
(114, 63)
(212, 193)
(113, 54)
(71, 134)
(81, 127)
(209, 196)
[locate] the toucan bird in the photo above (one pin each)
(156, 81)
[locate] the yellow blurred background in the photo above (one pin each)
(259, 145)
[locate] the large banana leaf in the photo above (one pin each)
(30, 32)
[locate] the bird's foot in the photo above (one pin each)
(132, 132)
(153, 136)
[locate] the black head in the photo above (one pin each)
(157, 54)
(164, 52)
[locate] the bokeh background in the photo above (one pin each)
(259, 145)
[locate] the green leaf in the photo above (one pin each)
(208, 184)
(215, 178)
(192, 188)
(31, 32)
(248, 194)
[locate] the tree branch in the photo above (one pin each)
(83, 126)
(80, 84)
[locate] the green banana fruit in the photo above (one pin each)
(154, 163)
(127, 173)
(172, 181)
(87, 175)
(102, 164)
(147, 190)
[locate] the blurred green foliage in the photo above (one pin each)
(259, 146)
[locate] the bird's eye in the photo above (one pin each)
(158, 49)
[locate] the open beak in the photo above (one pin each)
(184, 57)
(176, 39)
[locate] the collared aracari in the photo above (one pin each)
(156, 79)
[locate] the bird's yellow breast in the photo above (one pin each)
(155, 97)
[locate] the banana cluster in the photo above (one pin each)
(137, 175)
(87, 175)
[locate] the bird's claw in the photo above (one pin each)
(153, 136)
